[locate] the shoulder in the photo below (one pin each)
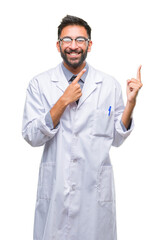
(47, 75)
(45, 78)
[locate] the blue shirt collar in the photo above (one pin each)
(69, 74)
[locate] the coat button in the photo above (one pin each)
(73, 187)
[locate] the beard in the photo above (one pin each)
(76, 62)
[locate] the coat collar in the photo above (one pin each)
(90, 84)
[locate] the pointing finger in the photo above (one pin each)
(139, 73)
(79, 76)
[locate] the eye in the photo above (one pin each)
(80, 40)
(66, 39)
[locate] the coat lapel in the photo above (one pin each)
(90, 85)
(60, 79)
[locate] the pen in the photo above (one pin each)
(109, 110)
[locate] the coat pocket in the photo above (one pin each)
(106, 191)
(102, 124)
(46, 180)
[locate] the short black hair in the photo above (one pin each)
(72, 20)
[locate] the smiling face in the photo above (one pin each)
(74, 54)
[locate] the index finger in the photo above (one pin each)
(79, 76)
(139, 73)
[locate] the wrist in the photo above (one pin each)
(64, 101)
(131, 103)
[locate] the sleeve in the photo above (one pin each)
(49, 121)
(34, 128)
(120, 132)
(123, 127)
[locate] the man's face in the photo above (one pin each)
(74, 54)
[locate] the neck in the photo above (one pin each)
(75, 70)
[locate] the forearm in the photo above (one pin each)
(57, 110)
(127, 114)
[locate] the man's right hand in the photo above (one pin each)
(73, 91)
(71, 94)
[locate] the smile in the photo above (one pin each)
(73, 54)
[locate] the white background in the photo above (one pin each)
(125, 34)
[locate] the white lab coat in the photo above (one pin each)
(76, 194)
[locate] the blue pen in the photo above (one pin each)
(109, 110)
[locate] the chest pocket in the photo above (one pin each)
(102, 123)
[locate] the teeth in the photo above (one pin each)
(73, 54)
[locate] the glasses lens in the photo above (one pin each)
(66, 40)
(80, 40)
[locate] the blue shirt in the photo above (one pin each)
(69, 75)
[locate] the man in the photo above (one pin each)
(77, 113)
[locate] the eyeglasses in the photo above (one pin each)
(68, 40)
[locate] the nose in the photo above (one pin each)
(73, 44)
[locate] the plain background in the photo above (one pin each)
(125, 34)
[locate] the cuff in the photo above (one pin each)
(49, 121)
(42, 125)
(123, 127)
(120, 128)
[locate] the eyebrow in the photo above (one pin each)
(76, 37)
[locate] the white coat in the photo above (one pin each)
(76, 194)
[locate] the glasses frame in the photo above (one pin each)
(86, 39)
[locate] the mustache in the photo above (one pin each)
(73, 51)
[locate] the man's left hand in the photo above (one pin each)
(133, 87)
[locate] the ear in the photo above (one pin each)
(89, 46)
(58, 46)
